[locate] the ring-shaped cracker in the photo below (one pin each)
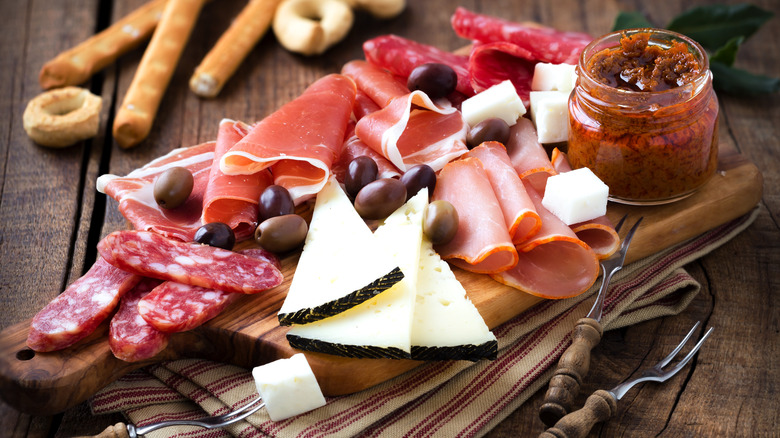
(62, 117)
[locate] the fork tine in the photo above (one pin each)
(630, 235)
(679, 347)
(688, 357)
(620, 224)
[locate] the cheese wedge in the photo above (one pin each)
(446, 325)
(341, 265)
(381, 326)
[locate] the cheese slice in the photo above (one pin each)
(341, 264)
(381, 326)
(446, 325)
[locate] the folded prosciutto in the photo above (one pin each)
(299, 141)
(135, 193)
(353, 148)
(527, 155)
(232, 199)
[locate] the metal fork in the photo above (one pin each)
(601, 405)
(575, 360)
(121, 430)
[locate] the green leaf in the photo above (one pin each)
(713, 26)
(740, 82)
(728, 53)
(630, 20)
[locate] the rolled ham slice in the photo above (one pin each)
(135, 193)
(528, 156)
(554, 263)
(233, 199)
(482, 243)
(299, 141)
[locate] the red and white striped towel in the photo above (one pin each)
(447, 399)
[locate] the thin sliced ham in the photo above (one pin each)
(233, 199)
(519, 212)
(554, 263)
(378, 84)
(482, 243)
(598, 233)
(135, 193)
(528, 156)
(353, 148)
(300, 141)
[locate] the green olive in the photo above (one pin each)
(440, 222)
(173, 187)
(280, 234)
(380, 198)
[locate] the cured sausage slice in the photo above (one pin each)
(493, 63)
(77, 311)
(152, 255)
(130, 338)
(175, 307)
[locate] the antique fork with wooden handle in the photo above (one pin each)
(601, 405)
(575, 360)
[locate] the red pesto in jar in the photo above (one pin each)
(643, 116)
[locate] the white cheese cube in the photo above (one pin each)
(288, 387)
(576, 196)
(550, 113)
(499, 101)
(554, 77)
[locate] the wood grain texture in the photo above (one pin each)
(730, 389)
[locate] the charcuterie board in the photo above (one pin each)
(247, 334)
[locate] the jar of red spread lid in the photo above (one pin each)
(644, 117)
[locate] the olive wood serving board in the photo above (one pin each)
(247, 334)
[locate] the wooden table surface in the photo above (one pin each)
(51, 217)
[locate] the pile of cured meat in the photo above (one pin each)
(153, 281)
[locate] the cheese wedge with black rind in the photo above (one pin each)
(340, 267)
(447, 325)
(381, 326)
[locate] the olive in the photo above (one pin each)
(281, 233)
(361, 171)
(216, 234)
(493, 129)
(418, 177)
(275, 201)
(380, 198)
(173, 187)
(440, 222)
(434, 79)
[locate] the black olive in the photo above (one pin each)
(493, 129)
(440, 222)
(434, 79)
(418, 177)
(380, 198)
(361, 171)
(275, 201)
(173, 187)
(281, 233)
(216, 234)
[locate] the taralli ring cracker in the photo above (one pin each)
(62, 117)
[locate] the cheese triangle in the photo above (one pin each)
(341, 264)
(381, 326)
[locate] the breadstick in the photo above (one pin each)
(135, 117)
(233, 46)
(78, 64)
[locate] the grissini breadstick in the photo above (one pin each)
(232, 47)
(76, 65)
(135, 116)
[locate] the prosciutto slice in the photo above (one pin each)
(135, 193)
(482, 243)
(232, 199)
(299, 141)
(598, 233)
(528, 156)
(353, 148)
(554, 263)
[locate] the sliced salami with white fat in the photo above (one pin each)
(130, 338)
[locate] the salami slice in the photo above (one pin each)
(175, 307)
(493, 63)
(152, 255)
(130, 338)
(77, 311)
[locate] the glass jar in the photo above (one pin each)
(644, 117)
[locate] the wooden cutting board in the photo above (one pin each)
(248, 334)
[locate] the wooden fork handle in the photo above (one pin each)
(572, 368)
(118, 430)
(598, 407)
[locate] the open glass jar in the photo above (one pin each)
(644, 117)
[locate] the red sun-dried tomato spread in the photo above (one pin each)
(644, 116)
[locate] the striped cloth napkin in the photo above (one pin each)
(447, 399)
